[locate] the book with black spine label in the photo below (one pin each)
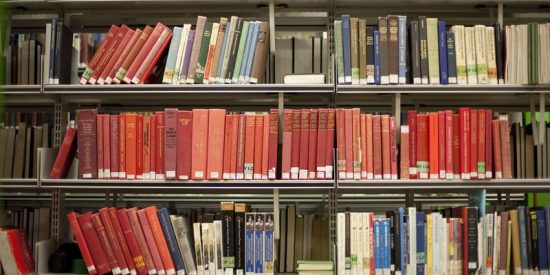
(197, 232)
(414, 49)
(239, 240)
(269, 244)
(233, 53)
(384, 50)
(228, 236)
(370, 55)
(423, 39)
(498, 52)
(393, 48)
(472, 217)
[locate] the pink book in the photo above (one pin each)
(442, 144)
(287, 144)
(234, 146)
(449, 144)
(152, 145)
(148, 233)
(115, 143)
(107, 146)
(140, 238)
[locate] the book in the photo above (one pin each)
(346, 48)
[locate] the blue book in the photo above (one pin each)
(442, 34)
(402, 31)
(547, 213)
(346, 48)
(269, 259)
(219, 69)
(168, 231)
(249, 243)
(187, 57)
(420, 243)
(451, 58)
(377, 246)
(242, 72)
(523, 238)
(542, 239)
(387, 248)
(377, 79)
(259, 243)
(252, 53)
(172, 54)
(402, 233)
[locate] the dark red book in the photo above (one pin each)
(199, 151)
(115, 145)
(101, 50)
(93, 243)
(442, 144)
(105, 243)
(100, 149)
(355, 142)
(348, 137)
(146, 146)
(329, 152)
(286, 161)
(341, 143)
(249, 132)
(153, 146)
(474, 143)
(106, 146)
(312, 147)
(133, 247)
(228, 139)
(449, 173)
(386, 151)
(377, 146)
(273, 143)
(304, 143)
(239, 168)
(82, 245)
(139, 147)
(481, 144)
(113, 240)
(143, 52)
(234, 145)
(110, 69)
(258, 146)
(171, 142)
(295, 149)
(422, 146)
(411, 120)
(216, 125)
(465, 142)
(108, 55)
(363, 145)
(456, 146)
(159, 145)
(185, 130)
(65, 156)
(131, 146)
(488, 144)
(122, 146)
(320, 159)
(86, 120)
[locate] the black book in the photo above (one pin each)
(228, 234)
(533, 232)
(384, 56)
(348, 241)
(415, 53)
(233, 52)
(498, 48)
(240, 221)
(63, 54)
(393, 48)
(472, 219)
(394, 265)
(370, 55)
(423, 39)
(208, 218)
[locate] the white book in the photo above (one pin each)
(353, 242)
(198, 248)
(218, 243)
(471, 64)
(212, 264)
(359, 243)
(365, 244)
(205, 231)
(481, 54)
(411, 268)
(341, 243)
(183, 236)
(46, 71)
(444, 247)
(491, 55)
(181, 51)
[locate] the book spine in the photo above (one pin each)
(198, 248)
(170, 66)
(377, 72)
(492, 70)
(377, 146)
(451, 58)
(51, 66)
(203, 54)
(411, 121)
(101, 50)
(348, 134)
(216, 125)
(304, 143)
(142, 264)
(142, 76)
(442, 144)
(146, 141)
(66, 154)
(144, 52)
(93, 242)
(505, 147)
(314, 152)
(363, 140)
(108, 56)
(247, 67)
(115, 146)
(471, 65)
(100, 149)
(228, 232)
(119, 55)
(449, 157)
(354, 45)
(257, 74)
(249, 249)
(386, 151)
(183, 235)
(239, 169)
(488, 144)
(465, 142)
(356, 143)
(433, 50)
(107, 248)
(160, 144)
(460, 50)
(234, 146)
(111, 235)
(402, 50)
(423, 36)
(180, 54)
(132, 54)
(171, 241)
(273, 143)
(442, 34)
(404, 153)
(150, 242)
(393, 48)
(370, 54)
(481, 54)
(233, 51)
(171, 141)
(383, 32)
(228, 139)
(199, 149)
(211, 52)
(362, 51)
(86, 256)
(393, 148)
(122, 146)
(131, 146)
(481, 159)
(295, 147)
(346, 47)
(258, 146)
(269, 244)
(249, 146)
(138, 232)
(156, 229)
(242, 52)
(86, 138)
(196, 49)
(187, 56)
(499, 53)
(341, 143)
(216, 60)
(433, 148)
(456, 147)
(339, 51)
(329, 156)
(227, 49)
(422, 147)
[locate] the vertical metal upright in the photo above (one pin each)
(58, 196)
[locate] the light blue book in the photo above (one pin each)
(387, 250)
(402, 49)
(245, 35)
(252, 54)
(240, 74)
(249, 243)
(170, 67)
(259, 243)
(377, 246)
(219, 69)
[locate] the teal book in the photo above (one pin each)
(252, 53)
(170, 67)
(240, 52)
(203, 54)
(239, 75)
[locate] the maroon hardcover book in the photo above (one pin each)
(86, 120)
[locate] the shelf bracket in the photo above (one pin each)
(276, 217)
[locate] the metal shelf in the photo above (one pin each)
(443, 89)
(18, 184)
(23, 95)
(443, 186)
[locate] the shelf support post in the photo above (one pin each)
(333, 213)
(58, 196)
(271, 71)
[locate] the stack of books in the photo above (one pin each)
(313, 267)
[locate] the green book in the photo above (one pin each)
(203, 54)
(339, 55)
(533, 45)
(433, 50)
(239, 60)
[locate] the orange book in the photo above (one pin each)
(304, 143)
(369, 150)
(433, 130)
(356, 144)
(250, 124)
(265, 150)
(377, 147)
(363, 140)
(348, 135)
(497, 160)
(122, 146)
(258, 146)
(393, 148)
(234, 146)
(131, 146)
(200, 142)
(422, 150)
(146, 146)
(228, 139)
(386, 147)
(139, 147)
(473, 148)
(216, 126)
(404, 152)
(341, 143)
(441, 144)
(481, 144)
(505, 147)
(151, 212)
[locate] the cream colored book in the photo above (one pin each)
(365, 244)
(491, 55)
(359, 242)
(471, 64)
(181, 50)
(460, 52)
(481, 54)
(341, 243)
(433, 50)
(353, 242)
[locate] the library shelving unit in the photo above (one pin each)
(282, 15)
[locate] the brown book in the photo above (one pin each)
(501, 265)
(260, 56)
(404, 152)
(384, 50)
(505, 147)
(516, 255)
(363, 51)
(393, 48)
(171, 142)
(199, 29)
(218, 51)
(86, 120)
(497, 155)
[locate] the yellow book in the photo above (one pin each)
(429, 244)
(433, 50)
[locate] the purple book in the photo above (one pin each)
(187, 56)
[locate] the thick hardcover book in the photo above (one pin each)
(265, 145)
(200, 142)
(492, 70)
(402, 50)
(377, 72)
(83, 246)
(341, 143)
(393, 148)
(433, 140)
(139, 235)
(170, 142)
(228, 140)
(362, 51)
(422, 147)
(115, 146)
(377, 146)
(393, 48)
(460, 50)
(143, 53)
(411, 121)
(456, 146)
(404, 157)
(111, 236)
(386, 158)
(258, 146)
(170, 66)
(249, 259)
(354, 39)
(122, 146)
(469, 243)
(184, 148)
(87, 145)
(129, 237)
(162, 245)
(239, 163)
(211, 51)
(419, 227)
(117, 56)
(481, 54)
(234, 146)
(269, 244)
(196, 49)
(465, 142)
(356, 143)
(226, 49)
(339, 51)
(239, 237)
(131, 146)
(505, 147)
(481, 131)
(216, 126)
(105, 243)
(183, 236)
(65, 155)
(108, 56)
(433, 50)
(286, 154)
(203, 54)
(451, 58)
(273, 144)
(423, 38)
(488, 144)
(101, 50)
(234, 47)
(322, 120)
(257, 75)
(216, 60)
(348, 130)
(442, 35)
(186, 56)
(99, 139)
(244, 45)
(150, 240)
(470, 47)
(384, 50)
(329, 153)
(449, 149)
(228, 232)
(313, 150)
(414, 48)
(132, 54)
(442, 144)
(370, 54)
(171, 241)
(497, 156)
(295, 151)
(259, 226)
(93, 243)
(304, 143)
(346, 47)
(249, 137)
(363, 145)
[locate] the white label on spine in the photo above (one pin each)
(342, 175)
(387, 176)
(417, 80)
(442, 174)
(349, 175)
(100, 174)
(370, 79)
(170, 271)
(146, 176)
(240, 272)
(340, 80)
(393, 176)
(122, 175)
(116, 270)
(159, 176)
(152, 271)
(402, 80)
(320, 174)
(257, 176)
(183, 177)
(481, 176)
(302, 174)
(161, 272)
(125, 271)
(370, 176)
(152, 175)
(109, 80)
(139, 177)
(226, 176)
(377, 176)
(434, 176)
(385, 79)
(214, 175)
(91, 268)
(240, 176)
(92, 81)
(133, 272)
(199, 174)
(434, 80)
(311, 175)
(449, 176)
(488, 174)
(131, 176)
(135, 80)
(87, 176)
(170, 174)
(425, 80)
(498, 175)
(232, 176)
(285, 175)
(394, 79)
(181, 272)
(452, 80)
(465, 176)
(271, 174)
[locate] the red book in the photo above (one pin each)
(442, 144)
(341, 142)
(393, 148)
(386, 145)
(312, 147)
(239, 164)
(411, 120)
(113, 241)
(100, 149)
(449, 173)
(130, 237)
(151, 212)
(185, 131)
(295, 151)
(433, 149)
(488, 144)
(228, 139)
(505, 147)
(143, 52)
(160, 145)
(139, 147)
(131, 146)
(369, 152)
(140, 238)
(199, 151)
(481, 144)
(234, 144)
(150, 241)
(122, 52)
(17, 255)
(122, 146)
(456, 146)
(258, 146)
(86, 121)
(94, 244)
(105, 243)
(103, 47)
(153, 146)
(329, 156)
(287, 144)
(126, 35)
(216, 126)
(363, 140)
(170, 142)
(108, 55)
(106, 146)
(465, 142)
(355, 143)
(82, 245)
(404, 152)
(422, 146)
(273, 143)
(377, 146)
(146, 146)
(304, 143)
(132, 54)
(121, 240)
(322, 135)
(473, 147)
(497, 148)
(115, 145)
(249, 131)
(142, 76)
(348, 137)
(65, 156)
(265, 149)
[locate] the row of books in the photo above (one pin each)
(24, 59)
(57, 53)
(159, 241)
(21, 134)
(454, 241)
(15, 254)
(35, 222)
(425, 51)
